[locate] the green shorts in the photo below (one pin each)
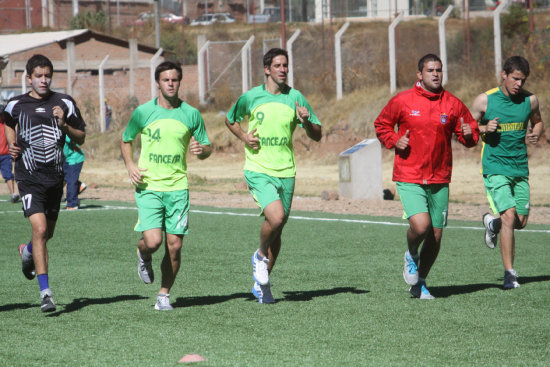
(167, 210)
(505, 192)
(266, 189)
(432, 199)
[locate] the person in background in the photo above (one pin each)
(108, 115)
(6, 162)
(72, 166)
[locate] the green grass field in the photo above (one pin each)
(341, 299)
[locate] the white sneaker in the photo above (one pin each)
(490, 236)
(47, 303)
(262, 293)
(145, 269)
(259, 269)
(410, 270)
(163, 303)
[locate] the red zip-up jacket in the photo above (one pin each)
(431, 120)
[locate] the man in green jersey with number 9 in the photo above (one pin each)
(168, 127)
(274, 110)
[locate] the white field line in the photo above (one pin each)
(341, 220)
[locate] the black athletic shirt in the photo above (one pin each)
(38, 135)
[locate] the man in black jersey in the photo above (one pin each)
(42, 118)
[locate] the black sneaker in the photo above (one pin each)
(27, 262)
(510, 279)
(47, 301)
(14, 198)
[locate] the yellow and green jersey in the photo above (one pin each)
(165, 136)
(274, 117)
(504, 151)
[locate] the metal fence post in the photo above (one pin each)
(496, 30)
(391, 40)
(338, 61)
(443, 43)
(289, 45)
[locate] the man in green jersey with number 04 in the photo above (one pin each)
(168, 127)
(274, 110)
(504, 113)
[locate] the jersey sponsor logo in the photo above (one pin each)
(414, 113)
(512, 126)
(164, 158)
(273, 141)
(444, 118)
(40, 110)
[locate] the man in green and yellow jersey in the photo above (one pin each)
(504, 114)
(167, 127)
(273, 110)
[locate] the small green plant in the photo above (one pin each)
(515, 23)
(90, 20)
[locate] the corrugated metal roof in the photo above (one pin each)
(14, 43)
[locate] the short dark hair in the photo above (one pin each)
(271, 54)
(516, 63)
(38, 61)
(168, 65)
(426, 58)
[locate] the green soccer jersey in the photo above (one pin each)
(504, 151)
(165, 136)
(72, 152)
(274, 117)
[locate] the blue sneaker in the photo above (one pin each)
(420, 291)
(259, 269)
(262, 293)
(410, 270)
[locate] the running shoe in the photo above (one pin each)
(259, 269)
(262, 293)
(14, 198)
(82, 187)
(145, 269)
(27, 262)
(490, 236)
(410, 270)
(47, 301)
(419, 290)
(510, 279)
(163, 303)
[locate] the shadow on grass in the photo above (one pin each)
(16, 306)
(210, 300)
(80, 303)
(91, 206)
(453, 290)
(289, 296)
(300, 296)
(76, 305)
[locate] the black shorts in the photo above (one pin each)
(41, 198)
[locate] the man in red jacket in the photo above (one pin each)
(426, 117)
